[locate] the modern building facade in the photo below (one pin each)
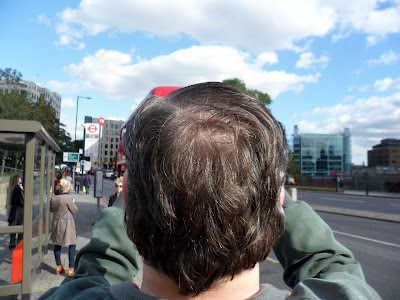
(322, 154)
(385, 154)
(109, 142)
(33, 92)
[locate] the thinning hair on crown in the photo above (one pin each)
(206, 166)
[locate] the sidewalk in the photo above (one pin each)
(373, 194)
(84, 219)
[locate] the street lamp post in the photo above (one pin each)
(77, 105)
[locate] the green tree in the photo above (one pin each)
(11, 76)
(15, 105)
(293, 167)
(263, 97)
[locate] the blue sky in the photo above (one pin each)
(326, 64)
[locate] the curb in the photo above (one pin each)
(349, 193)
(357, 213)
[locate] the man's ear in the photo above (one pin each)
(125, 185)
(282, 195)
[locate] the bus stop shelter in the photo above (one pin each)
(28, 150)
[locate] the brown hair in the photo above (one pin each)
(12, 183)
(205, 170)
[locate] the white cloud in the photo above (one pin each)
(266, 58)
(114, 74)
(369, 119)
(67, 103)
(256, 25)
(386, 58)
(368, 17)
(307, 60)
(387, 84)
(382, 85)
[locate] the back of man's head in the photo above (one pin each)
(206, 165)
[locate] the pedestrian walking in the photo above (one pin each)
(56, 182)
(77, 183)
(86, 183)
(15, 207)
(118, 190)
(63, 231)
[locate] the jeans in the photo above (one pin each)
(87, 189)
(71, 255)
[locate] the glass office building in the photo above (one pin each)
(322, 154)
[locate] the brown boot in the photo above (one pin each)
(59, 270)
(71, 272)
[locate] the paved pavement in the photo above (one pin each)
(373, 194)
(84, 219)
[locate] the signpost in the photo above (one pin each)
(101, 122)
(71, 157)
(98, 187)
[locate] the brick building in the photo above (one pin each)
(385, 154)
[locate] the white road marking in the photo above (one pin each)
(367, 239)
(395, 205)
(343, 200)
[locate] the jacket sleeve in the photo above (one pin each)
(53, 206)
(109, 258)
(315, 265)
(17, 198)
(71, 206)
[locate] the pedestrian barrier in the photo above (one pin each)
(28, 151)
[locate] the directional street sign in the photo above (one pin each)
(71, 156)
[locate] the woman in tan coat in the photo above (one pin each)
(63, 231)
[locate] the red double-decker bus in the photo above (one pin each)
(160, 91)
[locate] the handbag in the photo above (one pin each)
(84, 189)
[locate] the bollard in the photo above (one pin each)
(293, 193)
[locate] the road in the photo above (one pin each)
(374, 243)
(364, 203)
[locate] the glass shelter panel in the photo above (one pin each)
(36, 203)
(12, 152)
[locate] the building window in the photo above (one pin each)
(112, 140)
(112, 126)
(106, 146)
(105, 152)
(111, 152)
(117, 140)
(111, 146)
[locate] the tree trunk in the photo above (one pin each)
(3, 163)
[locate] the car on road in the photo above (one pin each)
(109, 174)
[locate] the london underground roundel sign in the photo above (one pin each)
(102, 121)
(92, 128)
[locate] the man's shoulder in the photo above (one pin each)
(95, 288)
(268, 291)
